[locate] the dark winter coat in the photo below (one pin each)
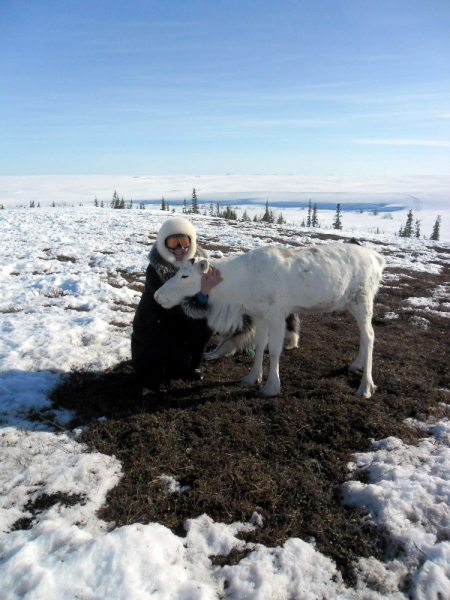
(166, 344)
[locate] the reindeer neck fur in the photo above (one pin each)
(226, 316)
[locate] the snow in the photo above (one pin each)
(391, 197)
(64, 304)
(409, 495)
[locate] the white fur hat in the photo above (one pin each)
(175, 226)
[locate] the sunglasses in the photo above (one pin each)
(173, 241)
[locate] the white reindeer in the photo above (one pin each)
(270, 283)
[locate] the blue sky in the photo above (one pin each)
(309, 87)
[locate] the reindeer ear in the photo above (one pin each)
(203, 265)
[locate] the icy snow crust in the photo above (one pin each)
(62, 298)
(410, 497)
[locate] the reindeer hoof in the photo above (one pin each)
(268, 392)
(355, 367)
(248, 381)
(366, 391)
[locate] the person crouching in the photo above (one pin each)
(166, 343)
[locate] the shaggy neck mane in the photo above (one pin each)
(225, 317)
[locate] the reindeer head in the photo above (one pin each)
(185, 283)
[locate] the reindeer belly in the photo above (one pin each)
(316, 291)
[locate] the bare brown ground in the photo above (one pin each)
(284, 457)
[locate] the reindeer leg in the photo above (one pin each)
(292, 333)
(261, 336)
(217, 352)
(363, 315)
(276, 336)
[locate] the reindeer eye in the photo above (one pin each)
(184, 276)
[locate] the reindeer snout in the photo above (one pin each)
(161, 298)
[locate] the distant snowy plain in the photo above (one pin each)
(427, 196)
(65, 303)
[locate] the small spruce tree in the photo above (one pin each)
(436, 234)
(337, 222)
(115, 202)
(185, 208)
(163, 204)
(195, 206)
(96, 202)
(229, 213)
(408, 228)
(268, 216)
(314, 218)
(308, 217)
(245, 218)
(417, 228)
(211, 209)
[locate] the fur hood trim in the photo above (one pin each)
(174, 226)
(166, 269)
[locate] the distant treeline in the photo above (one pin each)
(409, 230)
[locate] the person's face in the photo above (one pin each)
(178, 245)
